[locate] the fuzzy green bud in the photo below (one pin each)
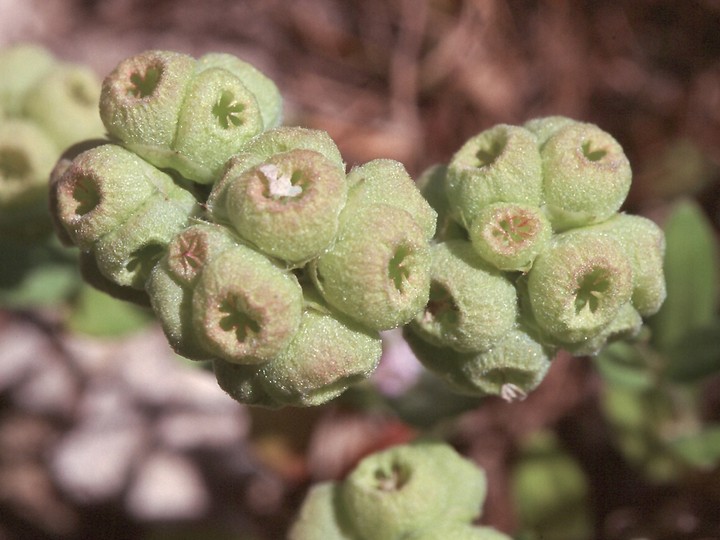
(546, 126)
(405, 489)
(127, 254)
(321, 516)
(458, 531)
(241, 382)
(327, 355)
(625, 325)
(501, 164)
(245, 309)
(586, 176)
(471, 305)
(64, 103)
(510, 235)
(578, 284)
(431, 184)
(263, 88)
(101, 189)
(378, 270)
(386, 181)
(289, 205)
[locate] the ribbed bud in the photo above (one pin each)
(586, 176)
(322, 516)
(378, 270)
(241, 383)
(546, 126)
(471, 305)
(626, 325)
(431, 184)
(328, 354)
(578, 284)
(404, 489)
(386, 181)
(263, 88)
(21, 66)
(289, 205)
(501, 164)
(219, 115)
(101, 189)
(127, 254)
(193, 248)
(92, 276)
(510, 235)
(644, 244)
(64, 103)
(141, 101)
(261, 149)
(245, 309)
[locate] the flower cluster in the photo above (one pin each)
(420, 491)
(254, 247)
(45, 106)
(532, 255)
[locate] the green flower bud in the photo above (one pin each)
(288, 206)
(321, 516)
(64, 103)
(92, 276)
(101, 189)
(263, 88)
(405, 489)
(578, 284)
(127, 254)
(21, 66)
(242, 384)
(644, 244)
(509, 235)
(245, 309)
(386, 181)
(626, 325)
(141, 100)
(26, 158)
(471, 305)
(586, 176)
(546, 126)
(511, 369)
(219, 115)
(501, 164)
(192, 249)
(458, 531)
(378, 270)
(263, 148)
(327, 355)
(431, 184)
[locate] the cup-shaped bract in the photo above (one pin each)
(101, 189)
(501, 164)
(241, 382)
(127, 254)
(586, 176)
(404, 489)
(578, 284)
(27, 157)
(510, 235)
(288, 206)
(328, 354)
(321, 516)
(471, 305)
(245, 309)
(261, 149)
(644, 243)
(21, 66)
(64, 102)
(378, 269)
(262, 87)
(219, 115)
(385, 181)
(141, 100)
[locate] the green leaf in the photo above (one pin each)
(696, 355)
(691, 275)
(623, 364)
(701, 450)
(98, 314)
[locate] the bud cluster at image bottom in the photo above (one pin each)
(532, 255)
(251, 243)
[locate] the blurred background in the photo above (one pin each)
(115, 437)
